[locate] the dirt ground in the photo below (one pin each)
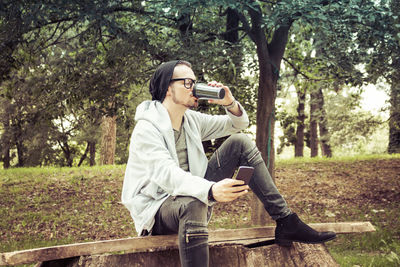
(87, 207)
(333, 191)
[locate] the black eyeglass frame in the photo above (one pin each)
(188, 85)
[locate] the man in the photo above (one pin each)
(170, 185)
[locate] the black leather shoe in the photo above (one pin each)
(292, 229)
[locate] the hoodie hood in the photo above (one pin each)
(155, 113)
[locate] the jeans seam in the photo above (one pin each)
(255, 154)
(217, 156)
(256, 158)
(200, 231)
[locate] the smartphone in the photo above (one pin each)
(243, 173)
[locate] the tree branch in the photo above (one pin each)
(215, 35)
(83, 157)
(268, 2)
(245, 23)
(278, 43)
(311, 78)
(299, 71)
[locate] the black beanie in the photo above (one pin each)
(161, 78)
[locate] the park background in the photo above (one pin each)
(319, 79)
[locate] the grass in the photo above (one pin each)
(348, 159)
(45, 173)
(53, 206)
(381, 248)
(59, 205)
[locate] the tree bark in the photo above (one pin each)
(220, 255)
(394, 120)
(108, 140)
(67, 152)
(20, 153)
(84, 156)
(265, 123)
(322, 125)
(313, 123)
(91, 149)
(232, 23)
(6, 157)
(265, 129)
(394, 78)
(92, 153)
(269, 59)
(6, 143)
(299, 145)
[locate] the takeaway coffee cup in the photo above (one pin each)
(203, 91)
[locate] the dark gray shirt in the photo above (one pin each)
(181, 149)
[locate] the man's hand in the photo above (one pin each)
(225, 190)
(227, 100)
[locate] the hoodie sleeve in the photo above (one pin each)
(216, 126)
(153, 160)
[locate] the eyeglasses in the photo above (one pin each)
(187, 82)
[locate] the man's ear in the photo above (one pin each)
(169, 91)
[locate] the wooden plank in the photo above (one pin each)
(156, 243)
(344, 228)
(269, 231)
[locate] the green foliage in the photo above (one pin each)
(77, 82)
(288, 125)
(329, 56)
(94, 58)
(25, 118)
(347, 122)
(350, 127)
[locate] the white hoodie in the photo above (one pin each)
(153, 173)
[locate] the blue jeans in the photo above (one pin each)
(189, 217)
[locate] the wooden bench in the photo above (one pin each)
(232, 247)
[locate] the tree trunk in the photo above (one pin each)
(322, 125)
(6, 157)
(220, 255)
(299, 145)
(313, 123)
(269, 59)
(20, 153)
(232, 24)
(265, 125)
(68, 154)
(394, 120)
(6, 143)
(18, 141)
(84, 156)
(92, 153)
(108, 140)
(66, 151)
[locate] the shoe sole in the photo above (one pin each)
(288, 243)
